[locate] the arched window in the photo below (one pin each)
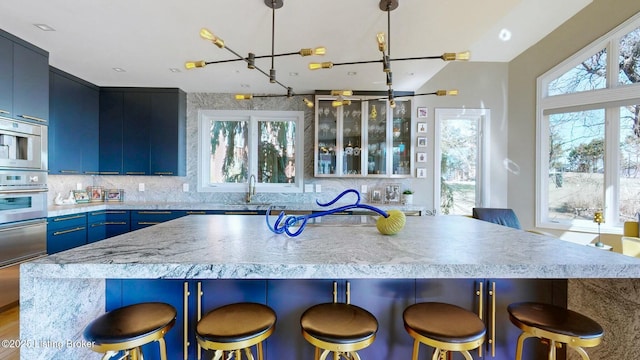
(588, 138)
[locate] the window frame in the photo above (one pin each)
(610, 99)
(253, 118)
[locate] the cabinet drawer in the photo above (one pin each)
(66, 238)
(66, 221)
(107, 215)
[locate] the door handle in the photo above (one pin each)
(480, 295)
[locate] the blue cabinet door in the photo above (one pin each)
(144, 218)
(73, 125)
(30, 84)
(178, 293)
(110, 130)
(6, 77)
(167, 136)
(135, 132)
(290, 298)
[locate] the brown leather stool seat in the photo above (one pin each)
(129, 327)
(444, 327)
(557, 325)
(338, 328)
(236, 327)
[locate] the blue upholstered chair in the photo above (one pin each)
(505, 217)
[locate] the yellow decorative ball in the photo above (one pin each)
(392, 224)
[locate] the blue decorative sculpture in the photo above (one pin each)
(284, 222)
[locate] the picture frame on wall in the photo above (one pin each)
(422, 112)
(421, 173)
(376, 196)
(422, 141)
(422, 128)
(421, 157)
(392, 193)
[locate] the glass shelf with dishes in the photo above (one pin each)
(365, 138)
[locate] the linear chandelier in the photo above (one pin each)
(384, 46)
(251, 57)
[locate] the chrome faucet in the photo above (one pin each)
(252, 188)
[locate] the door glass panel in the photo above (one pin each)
(576, 165)
(327, 136)
(15, 203)
(377, 138)
(276, 152)
(459, 139)
(229, 152)
(352, 138)
(401, 132)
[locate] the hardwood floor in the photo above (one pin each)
(9, 330)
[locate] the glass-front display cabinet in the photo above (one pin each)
(363, 138)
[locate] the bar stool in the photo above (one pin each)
(130, 327)
(556, 325)
(444, 327)
(236, 327)
(340, 328)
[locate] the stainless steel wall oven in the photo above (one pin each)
(23, 213)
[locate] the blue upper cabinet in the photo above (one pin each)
(142, 131)
(6, 77)
(73, 125)
(167, 136)
(24, 80)
(30, 84)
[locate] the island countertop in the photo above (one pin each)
(236, 246)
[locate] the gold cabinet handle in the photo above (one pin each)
(79, 228)
(69, 172)
(163, 173)
(135, 173)
(5, 112)
(148, 222)
(97, 225)
(199, 305)
(116, 223)
(492, 339)
(185, 314)
(34, 118)
(241, 213)
(196, 212)
(480, 295)
(68, 218)
(109, 173)
(92, 172)
(155, 212)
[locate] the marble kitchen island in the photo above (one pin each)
(61, 293)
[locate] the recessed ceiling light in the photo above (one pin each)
(352, 73)
(174, 70)
(44, 27)
(504, 35)
(245, 86)
(117, 69)
(293, 73)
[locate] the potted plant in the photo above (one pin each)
(407, 197)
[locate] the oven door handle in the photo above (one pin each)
(14, 191)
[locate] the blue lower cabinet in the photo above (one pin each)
(386, 299)
(174, 292)
(104, 224)
(290, 298)
(66, 232)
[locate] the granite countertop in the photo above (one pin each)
(236, 246)
(59, 210)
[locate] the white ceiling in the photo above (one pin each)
(148, 37)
